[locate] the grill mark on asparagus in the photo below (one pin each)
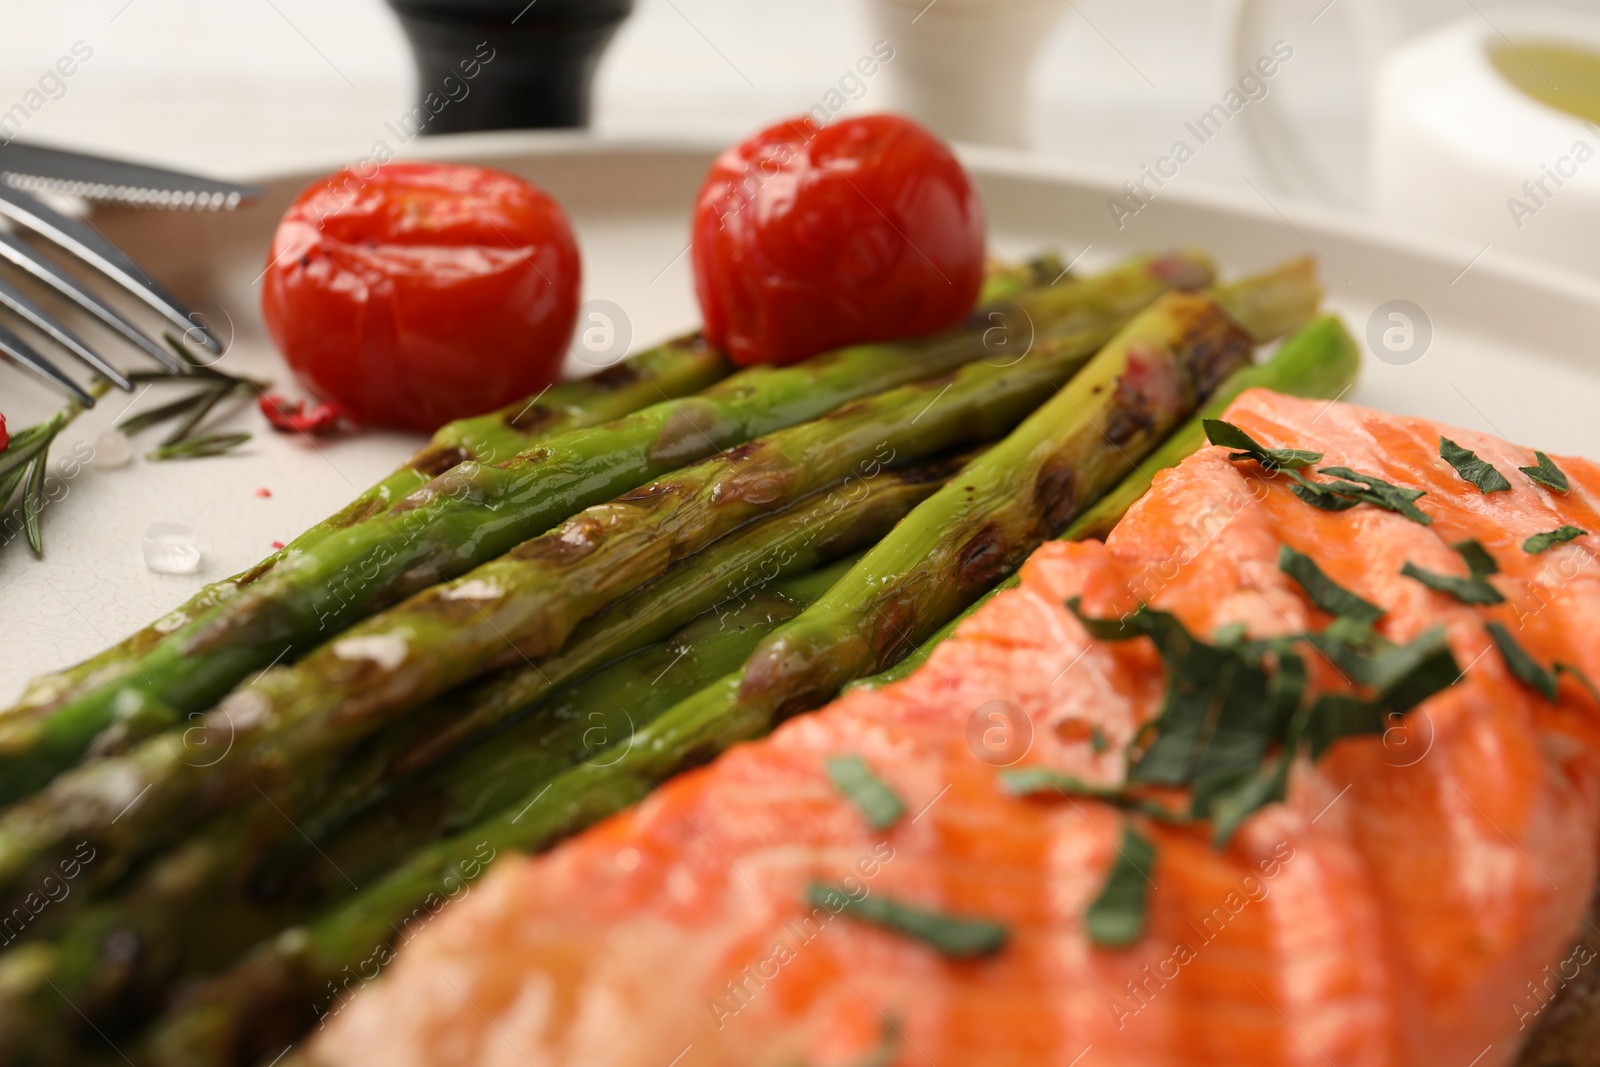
(1055, 496)
(436, 459)
(983, 559)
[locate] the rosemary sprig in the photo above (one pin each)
(211, 444)
(25, 463)
(210, 387)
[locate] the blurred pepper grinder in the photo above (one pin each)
(531, 62)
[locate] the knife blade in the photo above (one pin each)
(35, 168)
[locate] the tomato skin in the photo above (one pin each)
(423, 292)
(807, 239)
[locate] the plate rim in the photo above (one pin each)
(1298, 214)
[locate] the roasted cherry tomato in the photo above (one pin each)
(806, 239)
(418, 293)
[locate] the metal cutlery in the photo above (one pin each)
(29, 169)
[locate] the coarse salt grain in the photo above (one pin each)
(112, 449)
(170, 548)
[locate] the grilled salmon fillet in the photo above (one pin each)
(1413, 901)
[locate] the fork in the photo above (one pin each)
(28, 168)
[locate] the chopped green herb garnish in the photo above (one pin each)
(1230, 636)
(1329, 496)
(1583, 679)
(1522, 666)
(1354, 648)
(1324, 592)
(1097, 739)
(954, 937)
(879, 804)
(1235, 715)
(1318, 495)
(1117, 916)
(1377, 492)
(1479, 563)
(1472, 590)
(1541, 541)
(1228, 435)
(1122, 628)
(1231, 797)
(1480, 472)
(1547, 473)
(1400, 677)
(1031, 781)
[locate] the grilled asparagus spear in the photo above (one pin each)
(1319, 361)
(293, 720)
(188, 915)
(1115, 411)
(474, 513)
(677, 368)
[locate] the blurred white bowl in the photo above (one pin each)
(1459, 150)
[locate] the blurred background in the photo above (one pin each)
(248, 85)
(1402, 110)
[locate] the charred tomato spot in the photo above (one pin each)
(436, 459)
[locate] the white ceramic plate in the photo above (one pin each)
(1512, 351)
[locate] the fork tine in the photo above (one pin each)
(83, 241)
(25, 355)
(13, 249)
(36, 316)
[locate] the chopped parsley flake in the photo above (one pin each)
(1324, 592)
(957, 938)
(1547, 473)
(1541, 541)
(879, 804)
(1228, 435)
(1470, 590)
(1480, 472)
(1116, 918)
